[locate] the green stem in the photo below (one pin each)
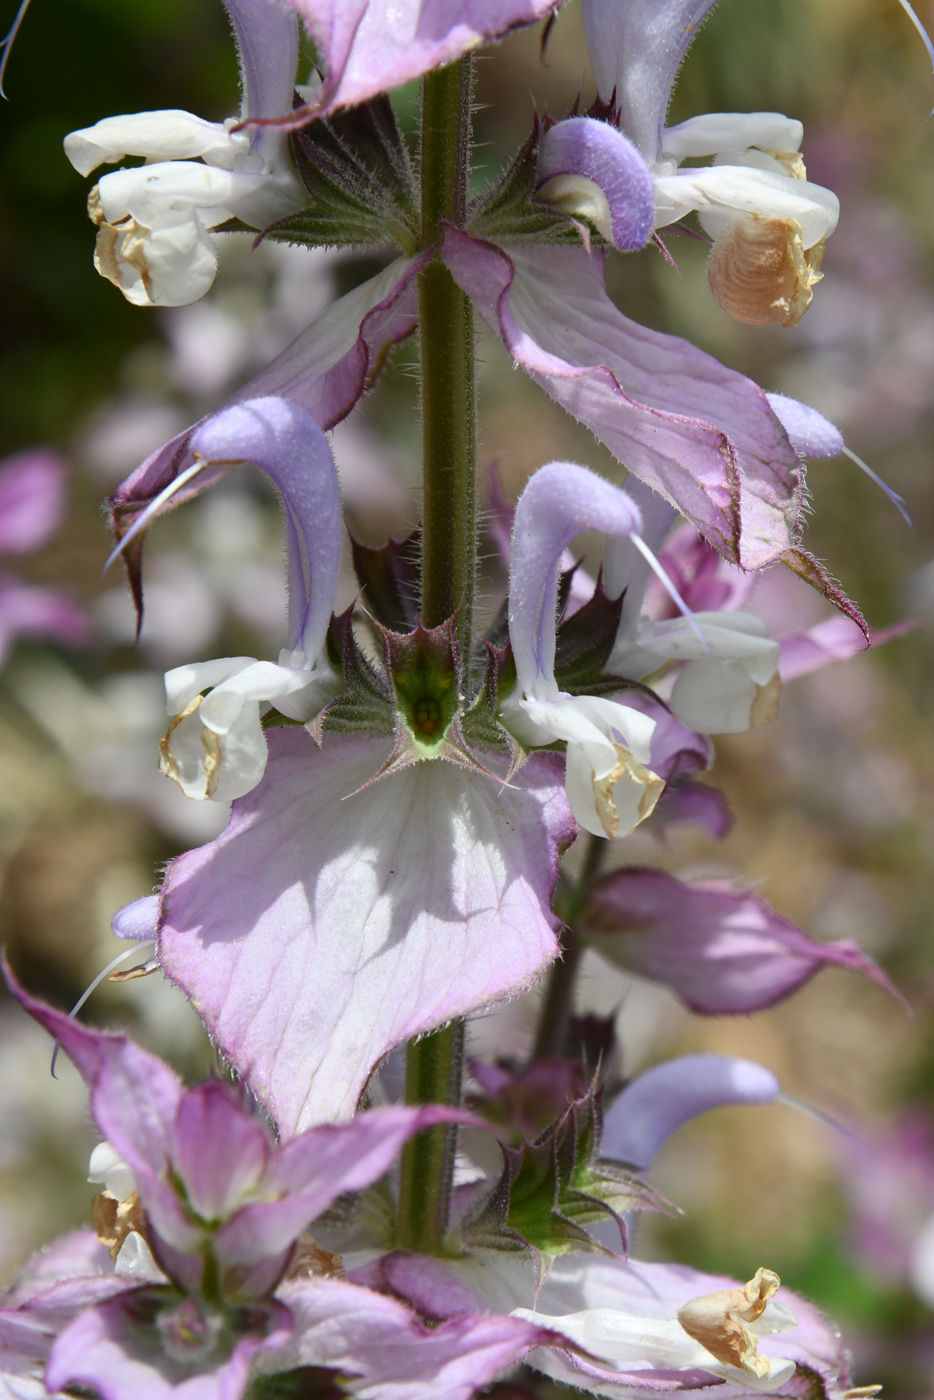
(448, 395)
(433, 1074)
(448, 404)
(558, 1006)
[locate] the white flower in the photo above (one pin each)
(609, 788)
(152, 219)
(768, 222)
(717, 1333)
(730, 682)
(215, 746)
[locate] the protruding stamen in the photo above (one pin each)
(115, 962)
(897, 500)
(139, 525)
(669, 587)
(925, 39)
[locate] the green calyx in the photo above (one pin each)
(551, 1189)
(509, 212)
(425, 669)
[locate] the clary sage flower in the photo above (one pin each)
(768, 222)
(215, 746)
(152, 239)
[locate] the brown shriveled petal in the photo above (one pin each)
(760, 272)
(765, 705)
(857, 1392)
(718, 1321)
(114, 1220)
(653, 787)
(312, 1260)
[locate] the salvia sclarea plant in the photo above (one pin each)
(404, 787)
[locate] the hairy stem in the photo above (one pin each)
(558, 1005)
(448, 405)
(448, 397)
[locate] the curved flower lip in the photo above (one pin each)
(587, 167)
(813, 435)
(267, 37)
(712, 132)
(171, 135)
(286, 443)
(369, 46)
(721, 192)
(561, 500)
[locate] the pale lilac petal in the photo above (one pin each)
(112, 1349)
(371, 45)
(134, 1100)
(561, 500)
(324, 371)
(722, 951)
(694, 804)
(835, 639)
(220, 1152)
(596, 151)
(390, 1354)
(658, 1291)
(641, 1119)
(78, 1254)
(138, 920)
(32, 499)
(636, 48)
(287, 444)
(28, 610)
(706, 582)
(811, 434)
(24, 1337)
(311, 1171)
(444, 876)
(429, 1286)
(266, 34)
(699, 434)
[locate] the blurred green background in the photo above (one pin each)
(834, 802)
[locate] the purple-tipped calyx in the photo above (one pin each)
(590, 170)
